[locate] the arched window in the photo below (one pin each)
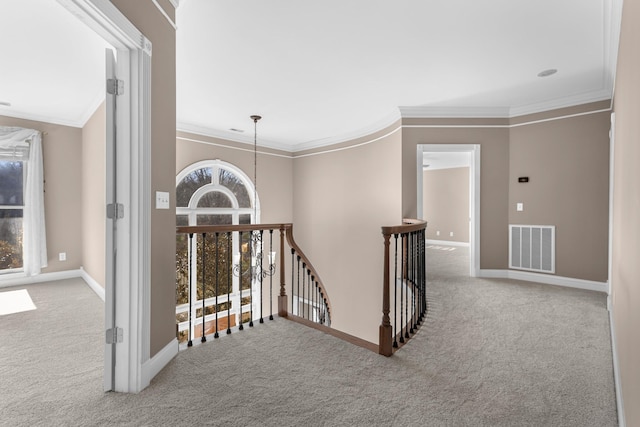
(213, 192)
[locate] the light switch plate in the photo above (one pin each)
(162, 200)
(520, 207)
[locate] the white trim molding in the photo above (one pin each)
(93, 284)
(547, 279)
(616, 371)
(153, 366)
(22, 279)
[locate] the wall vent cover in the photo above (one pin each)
(532, 248)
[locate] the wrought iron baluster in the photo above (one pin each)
(293, 251)
(204, 291)
(271, 275)
(190, 341)
(402, 280)
(406, 294)
(216, 335)
(260, 273)
(413, 282)
(395, 292)
(298, 294)
(240, 274)
(229, 274)
(304, 268)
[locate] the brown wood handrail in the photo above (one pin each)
(186, 229)
(408, 225)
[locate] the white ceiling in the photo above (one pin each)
(323, 72)
(52, 66)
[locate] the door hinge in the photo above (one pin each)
(115, 211)
(114, 335)
(115, 86)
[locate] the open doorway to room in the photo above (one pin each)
(41, 86)
(449, 198)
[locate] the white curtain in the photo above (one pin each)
(19, 144)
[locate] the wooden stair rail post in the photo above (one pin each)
(282, 298)
(385, 338)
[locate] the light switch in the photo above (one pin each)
(520, 207)
(162, 200)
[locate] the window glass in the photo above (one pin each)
(10, 238)
(215, 220)
(190, 184)
(11, 183)
(235, 184)
(11, 214)
(214, 199)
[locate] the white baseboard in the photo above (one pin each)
(616, 372)
(153, 366)
(447, 243)
(21, 279)
(546, 279)
(93, 284)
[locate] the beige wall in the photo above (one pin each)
(494, 177)
(341, 200)
(150, 21)
(94, 196)
(445, 201)
(567, 162)
(626, 219)
(62, 156)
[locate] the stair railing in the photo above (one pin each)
(232, 276)
(405, 273)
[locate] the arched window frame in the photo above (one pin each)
(192, 209)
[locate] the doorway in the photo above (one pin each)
(455, 155)
(128, 242)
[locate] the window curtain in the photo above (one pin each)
(19, 144)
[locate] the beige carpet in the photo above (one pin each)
(491, 353)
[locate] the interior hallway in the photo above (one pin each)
(491, 352)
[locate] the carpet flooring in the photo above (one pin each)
(490, 353)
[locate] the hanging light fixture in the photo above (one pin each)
(255, 119)
(257, 272)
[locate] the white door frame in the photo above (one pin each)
(474, 194)
(132, 167)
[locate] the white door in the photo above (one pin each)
(111, 223)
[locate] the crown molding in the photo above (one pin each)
(423, 112)
(377, 126)
(568, 101)
(230, 136)
(42, 118)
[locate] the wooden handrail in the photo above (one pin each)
(408, 225)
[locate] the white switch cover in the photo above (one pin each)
(520, 207)
(162, 200)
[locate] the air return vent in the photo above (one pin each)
(532, 248)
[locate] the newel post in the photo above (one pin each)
(385, 340)
(282, 298)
